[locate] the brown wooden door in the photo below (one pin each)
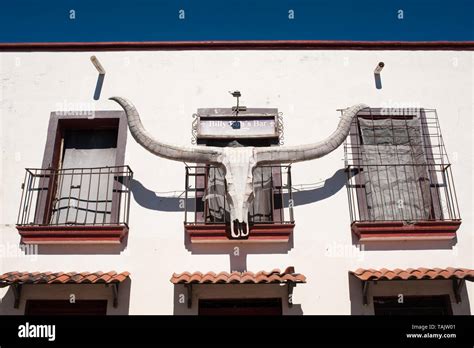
(64, 307)
(413, 305)
(239, 307)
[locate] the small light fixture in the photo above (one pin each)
(97, 65)
(379, 67)
(236, 94)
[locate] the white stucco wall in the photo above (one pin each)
(167, 87)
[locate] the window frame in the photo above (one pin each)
(276, 198)
(59, 123)
(281, 226)
(40, 231)
(355, 136)
(438, 226)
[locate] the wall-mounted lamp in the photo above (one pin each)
(97, 65)
(378, 80)
(100, 79)
(379, 67)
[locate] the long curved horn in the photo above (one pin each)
(195, 154)
(275, 155)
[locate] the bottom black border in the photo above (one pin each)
(293, 330)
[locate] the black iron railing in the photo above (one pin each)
(401, 193)
(398, 168)
(206, 199)
(76, 196)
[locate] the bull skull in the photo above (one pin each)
(238, 162)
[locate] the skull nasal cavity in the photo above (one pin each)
(240, 226)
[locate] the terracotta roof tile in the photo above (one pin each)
(417, 273)
(118, 277)
(262, 277)
(61, 278)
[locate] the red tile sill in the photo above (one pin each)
(400, 230)
(109, 234)
(259, 233)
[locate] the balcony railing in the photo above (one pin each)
(206, 200)
(75, 197)
(407, 193)
(400, 183)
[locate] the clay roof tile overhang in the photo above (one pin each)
(288, 278)
(457, 275)
(414, 274)
(17, 279)
(273, 277)
(62, 278)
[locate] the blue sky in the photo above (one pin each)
(157, 20)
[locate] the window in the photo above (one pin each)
(267, 184)
(267, 206)
(82, 192)
(237, 307)
(65, 307)
(83, 195)
(207, 212)
(398, 171)
(413, 305)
